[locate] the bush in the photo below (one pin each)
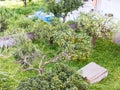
(60, 77)
(76, 44)
(95, 26)
(43, 31)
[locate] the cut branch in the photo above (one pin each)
(42, 64)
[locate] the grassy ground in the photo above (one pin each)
(13, 3)
(105, 54)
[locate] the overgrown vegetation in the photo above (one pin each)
(31, 62)
(60, 77)
(96, 26)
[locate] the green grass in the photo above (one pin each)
(14, 3)
(11, 4)
(107, 55)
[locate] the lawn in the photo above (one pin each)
(104, 53)
(11, 4)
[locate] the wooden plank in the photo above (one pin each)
(93, 72)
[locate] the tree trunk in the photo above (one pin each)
(94, 38)
(25, 3)
(51, 40)
(64, 17)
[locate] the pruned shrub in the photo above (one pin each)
(61, 77)
(26, 54)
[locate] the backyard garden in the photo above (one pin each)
(41, 50)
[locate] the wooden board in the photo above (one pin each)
(93, 72)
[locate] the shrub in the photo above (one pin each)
(42, 31)
(61, 77)
(76, 44)
(95, 26)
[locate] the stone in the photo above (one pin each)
(93, 72)
(12, 40)
(116, 38)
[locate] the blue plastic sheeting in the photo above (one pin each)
(42, 16)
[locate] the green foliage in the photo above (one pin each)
(4, 82)
(3, 24)
(28, 10)
(26, 53)
(5, 12)
(95, 25)
(76, 44)
(3, 21)
(60, 77)
(43, 31)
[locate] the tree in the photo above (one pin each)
(60, 8)
(95, 26)
(25, 3)
(76, 44)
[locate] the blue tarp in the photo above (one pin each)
(40, 14)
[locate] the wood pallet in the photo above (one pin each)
(93, 72)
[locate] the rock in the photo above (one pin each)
(116, 37)
(30, 36)
(93, 73)
(12, 40)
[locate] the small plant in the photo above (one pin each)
(61, 77)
